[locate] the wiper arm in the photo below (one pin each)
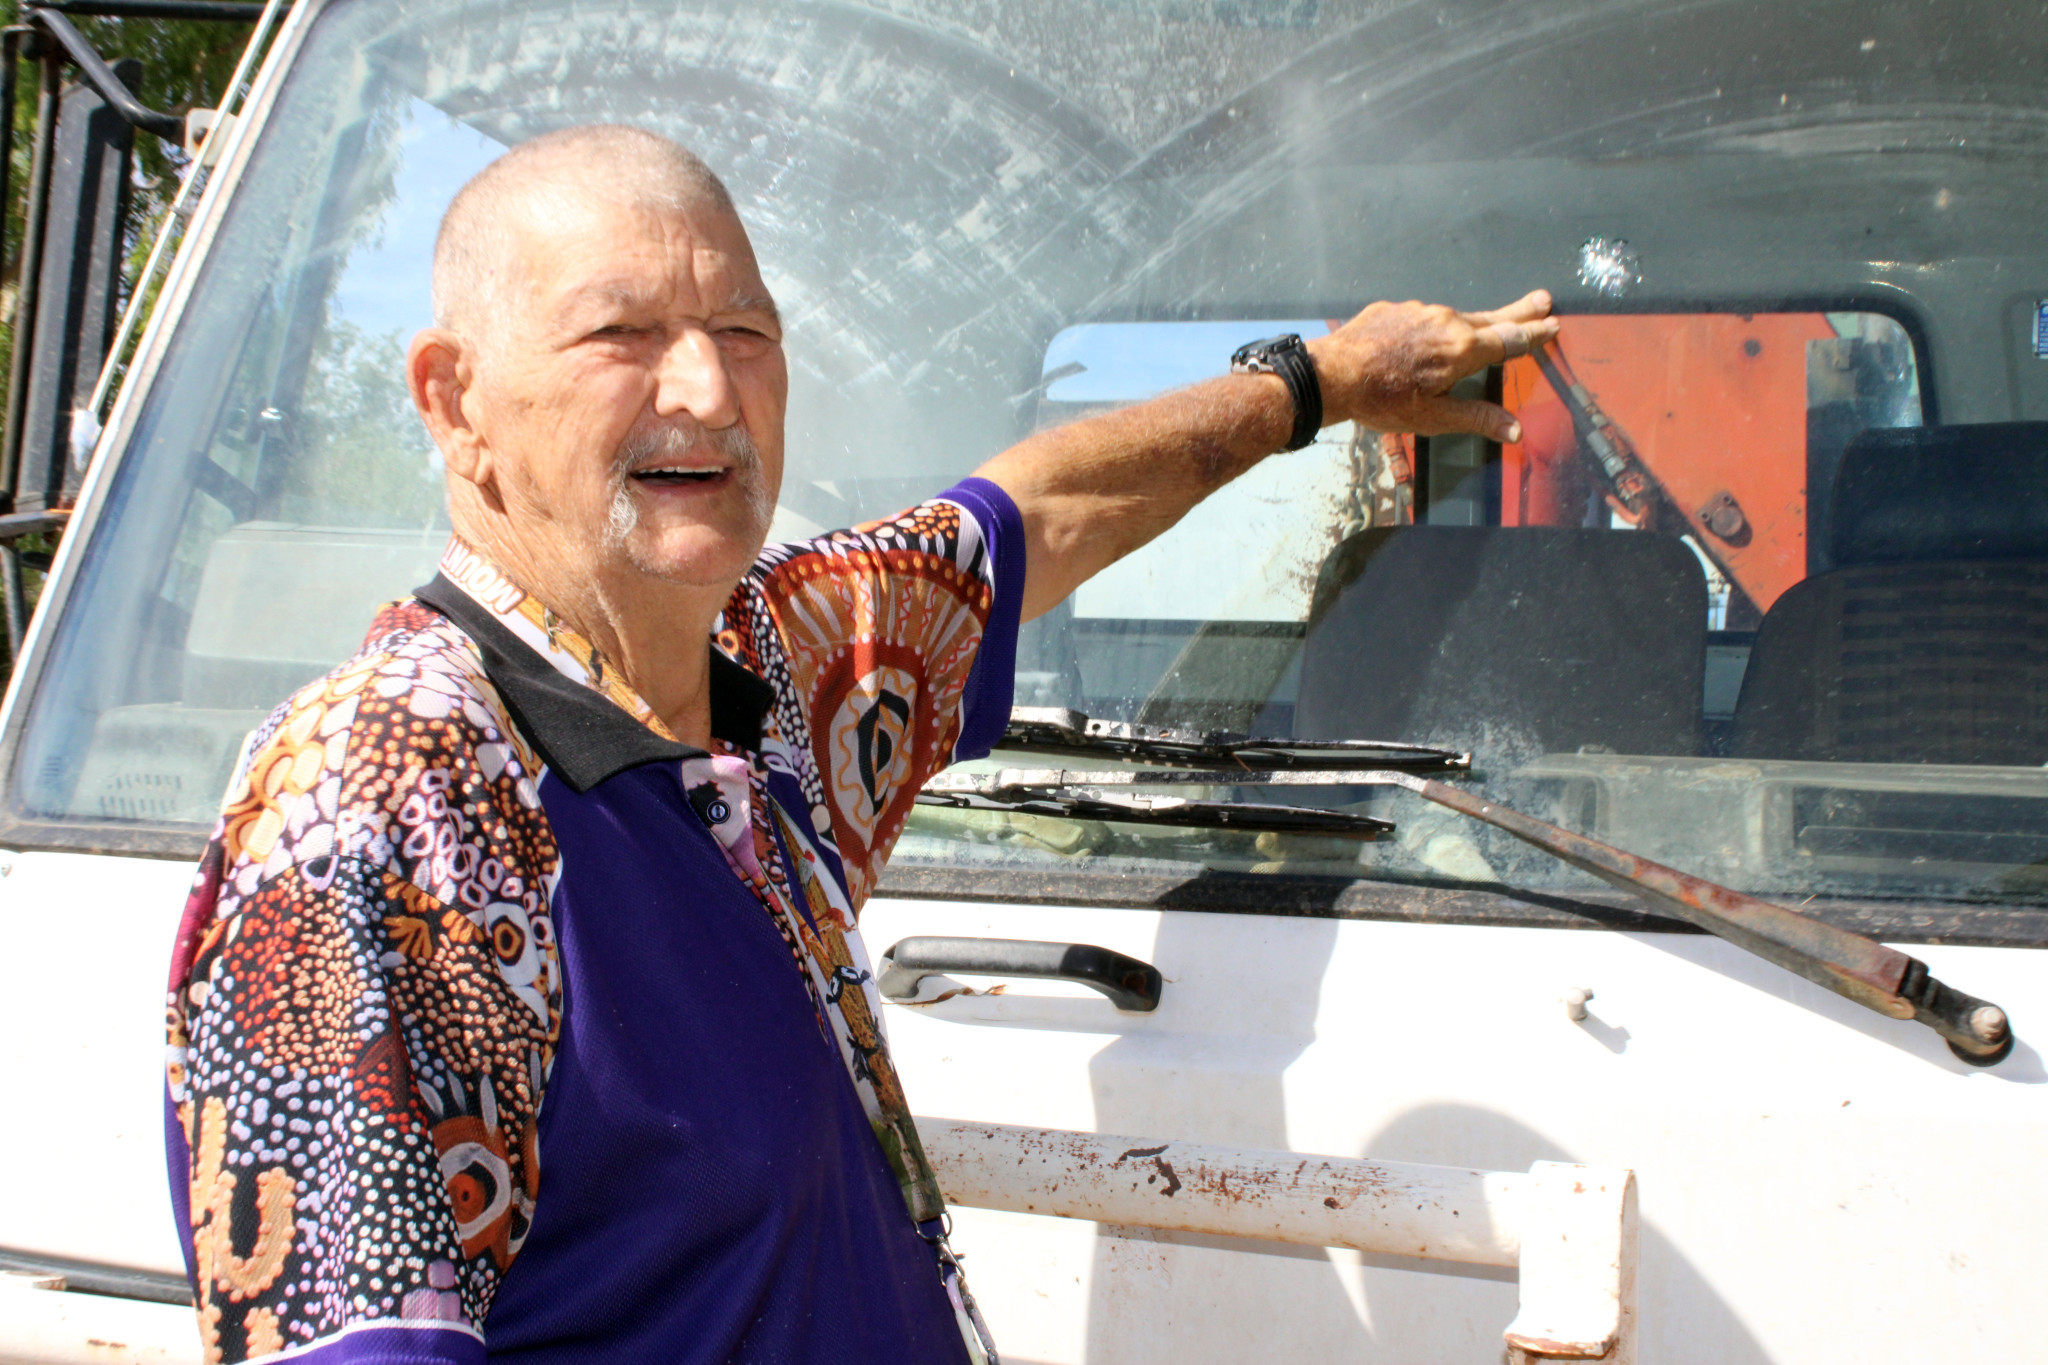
(1853, 966)
(1070, 734)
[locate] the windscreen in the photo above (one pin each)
(1756, 594)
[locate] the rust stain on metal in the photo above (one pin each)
(1056, 1169)
(1560, 1350)
(996, 989)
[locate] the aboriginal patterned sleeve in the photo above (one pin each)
(892, 648)
(363, 1009)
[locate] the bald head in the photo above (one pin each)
(476, 255)
(606, 384)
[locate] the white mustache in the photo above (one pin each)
(733, 442)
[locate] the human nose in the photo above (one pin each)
(693, 378)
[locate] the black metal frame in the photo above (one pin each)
(48, 38)
(154, 9)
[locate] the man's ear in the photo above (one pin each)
(439, 369)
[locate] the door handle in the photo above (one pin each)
(1129, 983)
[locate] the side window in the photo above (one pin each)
(311, 495)
(1204, 625)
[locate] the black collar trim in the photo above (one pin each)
(740, 701)
(581, 734)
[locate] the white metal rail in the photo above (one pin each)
(41, 1324)
(1570, 1230)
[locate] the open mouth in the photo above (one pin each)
(678, 478)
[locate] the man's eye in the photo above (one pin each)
(743, 341)
(617, 331)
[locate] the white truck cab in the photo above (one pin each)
(1761, 595)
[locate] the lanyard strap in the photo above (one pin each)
(844, 989)
(842, 984)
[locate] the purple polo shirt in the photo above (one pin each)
(487, 1039)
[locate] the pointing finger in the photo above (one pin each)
(1528, 308)
(1514, 339)
(1498, 341)
(1449, 416)
(1506, 339)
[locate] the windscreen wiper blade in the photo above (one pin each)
(1071, 803)
(1855, 967)
(1072, 734)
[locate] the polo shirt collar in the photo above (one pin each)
(578, 712)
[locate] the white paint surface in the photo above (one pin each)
(1818, 1184)
(81, 1057)
(41, 1327)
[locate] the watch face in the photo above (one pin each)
(1258, 354)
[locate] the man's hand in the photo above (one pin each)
(1390, 367)
(1093, 491)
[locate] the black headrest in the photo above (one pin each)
(1926, 493)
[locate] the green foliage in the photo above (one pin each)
(185, 65)
(361, 445)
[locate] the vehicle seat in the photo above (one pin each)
(1509, 640)
(280, 604)
(1928, 642)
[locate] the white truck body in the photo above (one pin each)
(1817, 1183)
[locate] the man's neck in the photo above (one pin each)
(656, 634)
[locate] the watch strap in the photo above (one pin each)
(1287, 357)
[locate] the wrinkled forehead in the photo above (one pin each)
(568, 244)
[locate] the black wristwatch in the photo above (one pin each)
(1287, 357)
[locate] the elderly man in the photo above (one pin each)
(565, 862)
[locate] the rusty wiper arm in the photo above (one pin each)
(1855, 967)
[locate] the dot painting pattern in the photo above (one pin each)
(366, 993)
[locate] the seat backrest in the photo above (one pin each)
(1945, 662)
(1941, 493)
(1511, 640)
(1929, 642)
(279, 605)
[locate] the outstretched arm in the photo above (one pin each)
(1095, 490)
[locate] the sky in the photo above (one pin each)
(386, 284)
(1129, 361)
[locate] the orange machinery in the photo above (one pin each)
(1683, 423)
